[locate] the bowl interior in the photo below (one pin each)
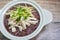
(30, 29)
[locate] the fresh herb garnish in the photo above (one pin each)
(20, 12)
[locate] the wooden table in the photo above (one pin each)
(50, 31)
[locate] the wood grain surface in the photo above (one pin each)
(50, 31)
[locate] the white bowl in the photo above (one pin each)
(45, 18)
